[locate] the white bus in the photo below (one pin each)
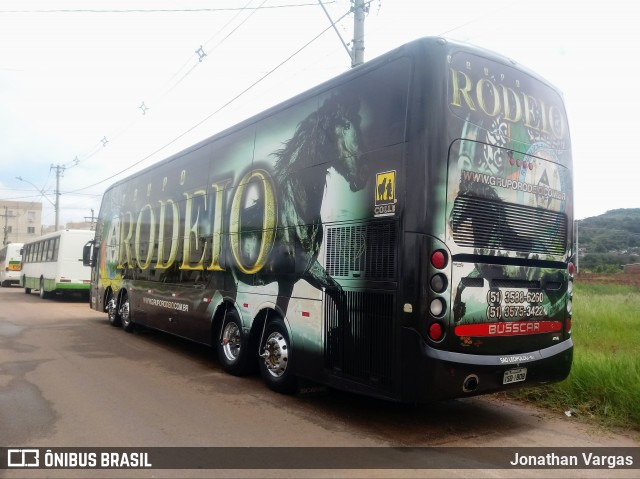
(10, 264)
(53, 263)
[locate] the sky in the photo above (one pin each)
(103, 88)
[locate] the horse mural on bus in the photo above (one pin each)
(330, 137)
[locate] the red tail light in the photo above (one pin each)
(438, 294)
(439, 259)
(435, 331)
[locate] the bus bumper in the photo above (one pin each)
(446, 374)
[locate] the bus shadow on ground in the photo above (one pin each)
(435, 423)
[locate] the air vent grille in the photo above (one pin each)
(486, 224)
(365, 251)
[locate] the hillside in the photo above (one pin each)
(608, 241)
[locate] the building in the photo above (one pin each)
(20, 221)
(78, 225)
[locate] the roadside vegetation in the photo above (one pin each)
(604, 384)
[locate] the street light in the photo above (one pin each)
(55, 205)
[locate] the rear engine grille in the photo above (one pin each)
(359, 336)
(486, 224)
(365, 251)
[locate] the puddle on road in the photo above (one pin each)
(9, 329)
(26, 414)
(8, 334)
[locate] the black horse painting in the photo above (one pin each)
(328, 138)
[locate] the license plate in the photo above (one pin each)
(514, 376)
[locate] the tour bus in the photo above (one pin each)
(10, 264)
(52, 263)
(402, 231)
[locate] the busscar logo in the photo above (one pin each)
(385, 204)
(23, 458)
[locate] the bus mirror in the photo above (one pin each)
(21, 251)
(88, 257)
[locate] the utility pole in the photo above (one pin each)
(6, 226)
(357, 52)
(59, 172)
(359, 10)
(92, 219)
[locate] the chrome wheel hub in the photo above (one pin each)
(111, 309)
(231, 341)
(124, 312)
(276, 354)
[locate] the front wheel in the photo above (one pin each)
(277, 355)
(125, 315)
(232, 348)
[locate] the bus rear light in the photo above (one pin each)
(438, 283)
(436, 307)
(439, 259)
(435, 332)
(569, 306)
(567, 326)
(571, 268)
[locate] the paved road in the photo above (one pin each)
(68, 379)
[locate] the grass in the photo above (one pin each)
(604, 383)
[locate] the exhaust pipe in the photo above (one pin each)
(470, 383)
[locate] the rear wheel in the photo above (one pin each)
(125, 315)
(232, 348)
(276, 366)
(112, 312)
(43, 294)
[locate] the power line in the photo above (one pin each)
(162, 10)
(216, 111)
(205, 53)
(18, 198)
(101, 144)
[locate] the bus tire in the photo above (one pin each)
(125, 316)
(233, 346)
(112, 312)
(43, 293)
(276, 366)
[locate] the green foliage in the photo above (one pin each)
(604, 382)
(609, 241)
